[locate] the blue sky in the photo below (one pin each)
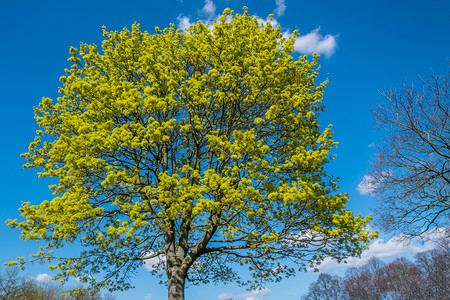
(366, 47)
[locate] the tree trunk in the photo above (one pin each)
(176, 279)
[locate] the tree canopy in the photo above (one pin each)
(202, 148)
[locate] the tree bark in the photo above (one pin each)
(176, 277)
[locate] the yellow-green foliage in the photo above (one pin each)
(191, 144)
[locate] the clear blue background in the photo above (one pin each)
(380, 44)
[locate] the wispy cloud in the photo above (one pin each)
(252, 295)
(281, 7)
(152, 263)
(310, 43)
(367, 185)
(255, 295)
(272, 22)
(225, 296)
(314, 42)
(207, 12)
(148, 296)
(209, 9)
(183, 22)
(393, 247)
(43, 278)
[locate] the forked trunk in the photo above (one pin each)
(176, 278)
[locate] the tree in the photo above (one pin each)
(201, 148)
(326, 287)
(410, 173)
(435, 267)
(402, 279)
(365, 282)
(14, 286)
(427, 278)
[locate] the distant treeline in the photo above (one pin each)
(428, 277)
(14, 286)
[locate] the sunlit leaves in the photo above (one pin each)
(191, 145)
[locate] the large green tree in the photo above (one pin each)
(201, 148)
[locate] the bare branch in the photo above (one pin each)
(410, 171)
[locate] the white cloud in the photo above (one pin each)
(367, 185)
(151, 264)
(148, 296)
(225, 296)
(281, 7)
(183, 22)
(252, 295)
(209, 9)
(43, 278)
(255, 295)
(314, 42)
(310, 43)
(272, 22)
(83, 278)
(393, 247)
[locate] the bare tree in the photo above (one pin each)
(411, 172)
(326, 287)
(426, 278)
(435, 267)
(13, 286)
(365, 282)
(402, 280)
(16, 286)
